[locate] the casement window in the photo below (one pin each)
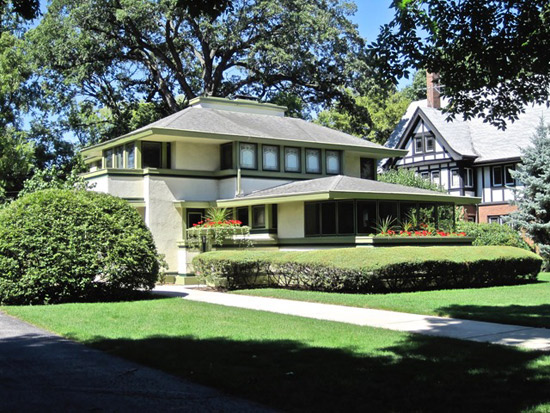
(332, 162)
(455, 178)
(151, 154)
(425, 175)
(508, 179)
(468, 177)
(367, 168)
(119, 157)
(130, 156)
(248, 156)
(109, 158)
(242, 215)
(418, 145)
(496, 219)
(436, 177)
(226, 156)
(270, 158)
(293, 162)
(497, 176)
(313, 161)
(258, 216)
(429, 144)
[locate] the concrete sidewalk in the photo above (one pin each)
(505, 334)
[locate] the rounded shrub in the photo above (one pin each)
(65, 245)
(493, 234)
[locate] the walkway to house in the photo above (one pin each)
(42, 372)
(527, 337)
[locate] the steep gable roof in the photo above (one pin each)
(473, 138)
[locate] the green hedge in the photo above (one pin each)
(64, 245)
(493, 234)
(369, 269)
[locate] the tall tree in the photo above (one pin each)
(493, 57)
(533, 199)
(114, 54)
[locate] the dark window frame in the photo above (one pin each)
(432, 139)
(223, 155)
(144, 146)
(255, 145)
(468, 177)
(338, 156)
(507, 174)
(253, 223)
(500, 175)
(299, 170)
(320, 153)
(278, 152)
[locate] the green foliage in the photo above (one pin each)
(16, 155)
(113, 55)
(492, 56)
(493, 234)
(54, 178)
(417, 90)
(65, 245)
(533, 197)
(370, 269)
(373, 116)
(408, 177)
(217, 229)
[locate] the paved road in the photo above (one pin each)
(505, 334)
(42, 372)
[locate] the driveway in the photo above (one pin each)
(40, 371)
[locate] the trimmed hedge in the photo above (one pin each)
(369, 269)
(65, 245)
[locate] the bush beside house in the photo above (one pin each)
(65, 245)
(370, 269)
(493, 234)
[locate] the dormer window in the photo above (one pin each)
(248, 156)
(333, 162)
(418, 145)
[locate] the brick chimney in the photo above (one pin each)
(433, 91)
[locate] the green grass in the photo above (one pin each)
(298, 364)
(527, 304)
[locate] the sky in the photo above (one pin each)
(371, 14)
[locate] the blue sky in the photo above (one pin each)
(371, 14)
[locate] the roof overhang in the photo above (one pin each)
(341, 195)
(169, 134)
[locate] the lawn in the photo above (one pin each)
(527, 304)
(298, 364)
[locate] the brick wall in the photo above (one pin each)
(498, 209)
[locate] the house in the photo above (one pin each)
(467, 157)
(295, 183)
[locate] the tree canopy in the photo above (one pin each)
(493, 57)
(117, 56)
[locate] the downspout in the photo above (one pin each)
(238, 182)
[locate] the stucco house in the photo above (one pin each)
(295, 183)
(467, 157)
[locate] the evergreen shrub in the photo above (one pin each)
(369, 270)
(493, 234)
(65, 245)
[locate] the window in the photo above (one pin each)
(226, 156)
(270, 158)
(312, 219)
(495, 219)
(242, 215)
(497, 175)
(130, 156)
(258, 216)
(119, 157)
(293, 161)
(346, 224)
(248, 156)
(367, 168)
(425, 175)
(274, 219)
(313, 161)
(508, 176)
(168, 156)
(328, 218)
(430, 143)
(436, 177)
(387, 210)
(468, 177)
(455, 178)
(418, 146)
(151, 153)
(194, 217)
(333, 162)
(366, 217)
(109, 158)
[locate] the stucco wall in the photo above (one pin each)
(196, 156)
(249, 185)
(126, 186)
(291, 220)
(352, 164)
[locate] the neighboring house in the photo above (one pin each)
(297, 184)
(469, 158)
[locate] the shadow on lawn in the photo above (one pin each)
(418, 374)
(524, 315)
